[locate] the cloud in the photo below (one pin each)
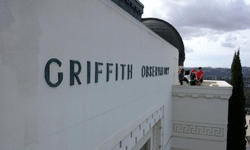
(229, 41)
(188, 50)
(230, 45)
(188, 32)
(235, 40)
(217, 14)
(208, 28)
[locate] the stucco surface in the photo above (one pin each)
(35, 116)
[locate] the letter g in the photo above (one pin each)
(47, 73)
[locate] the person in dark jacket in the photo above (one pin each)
(192, 77)
(181, 76)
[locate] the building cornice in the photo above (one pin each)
(207, 92)
(133, 7)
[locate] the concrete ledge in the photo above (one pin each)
(215, 83)
(209, 90)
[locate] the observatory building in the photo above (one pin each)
(94, 75)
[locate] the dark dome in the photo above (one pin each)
(168, 33)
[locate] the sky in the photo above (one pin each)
(212, 30)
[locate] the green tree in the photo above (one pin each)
(236, 112)
(247, 95)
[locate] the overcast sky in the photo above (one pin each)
(212, 30)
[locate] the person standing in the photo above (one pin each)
(192, 77)
(199, 74)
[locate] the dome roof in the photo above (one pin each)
(168, 33)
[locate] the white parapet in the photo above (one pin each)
(200, 115)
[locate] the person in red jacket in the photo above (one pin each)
(199, 74)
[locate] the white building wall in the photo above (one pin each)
(200, 116)
(35, 116)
